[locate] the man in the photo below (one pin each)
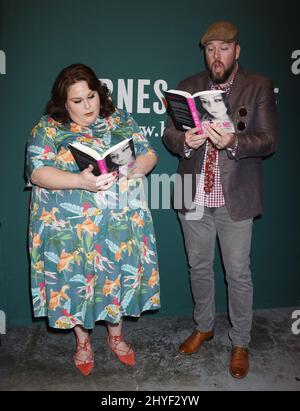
(226, 185)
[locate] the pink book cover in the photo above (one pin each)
(102, 166)
(194, 112)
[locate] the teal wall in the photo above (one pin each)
(157, 40)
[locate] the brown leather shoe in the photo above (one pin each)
(239, 364)
(194, 342)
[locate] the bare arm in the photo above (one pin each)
(145, 163)
(54, 179)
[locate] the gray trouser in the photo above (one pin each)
(235, 241)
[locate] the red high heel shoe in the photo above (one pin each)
(128, 358)
(84, 366)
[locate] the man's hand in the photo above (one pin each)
(194, 140)
(220, 139)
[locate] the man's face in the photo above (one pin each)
(220, 59)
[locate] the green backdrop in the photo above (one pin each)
(145, 43)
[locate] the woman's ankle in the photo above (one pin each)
(81, 334)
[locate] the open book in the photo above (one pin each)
(193, 110)
(120, 157)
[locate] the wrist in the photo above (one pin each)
(233, 146)
(77, 181)
(187, 147)
(187, 151)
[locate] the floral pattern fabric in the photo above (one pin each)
(93, 256)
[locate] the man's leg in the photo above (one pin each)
(235, 242)
(200, 237)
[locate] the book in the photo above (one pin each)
(194, 110)
(120, 157)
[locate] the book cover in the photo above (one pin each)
(120, 157)
(194, 110)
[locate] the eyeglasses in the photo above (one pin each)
(241, 125)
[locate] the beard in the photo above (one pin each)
(218, 78)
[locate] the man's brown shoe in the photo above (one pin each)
(239, 364)
(194, 342)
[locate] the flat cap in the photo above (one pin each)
(220, 30)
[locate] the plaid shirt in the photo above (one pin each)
(216, 197)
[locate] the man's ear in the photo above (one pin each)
(237, 51)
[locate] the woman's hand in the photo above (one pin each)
(87, 180)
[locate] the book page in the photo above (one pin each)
(91, 152)
(180, 93)
(208, 93)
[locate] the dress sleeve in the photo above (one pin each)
(141, 143)
(41, 150)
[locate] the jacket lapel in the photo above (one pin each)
(236, 87)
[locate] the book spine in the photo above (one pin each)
(194, 113)
(102, 166)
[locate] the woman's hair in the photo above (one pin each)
(56, 107)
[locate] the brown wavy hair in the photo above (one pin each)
(70, 75)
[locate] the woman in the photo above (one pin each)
(89, 261)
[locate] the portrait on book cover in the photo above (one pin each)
(122, 159)
(213, 107)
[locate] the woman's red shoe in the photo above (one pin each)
(125, 356)
(84, 366)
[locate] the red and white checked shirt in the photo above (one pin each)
(216, 197)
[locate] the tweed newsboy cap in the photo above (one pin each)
(220, 30)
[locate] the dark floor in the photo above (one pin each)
(32, 358)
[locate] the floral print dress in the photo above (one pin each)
(93, 256)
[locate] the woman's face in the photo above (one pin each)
(122, 156)
(83, 104)
(214, 105)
